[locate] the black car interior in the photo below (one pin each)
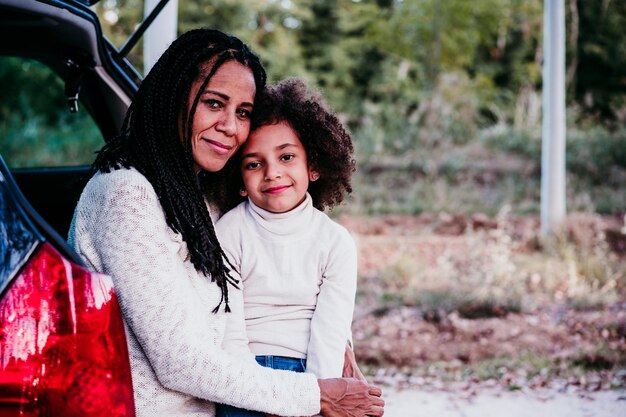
(94, 73)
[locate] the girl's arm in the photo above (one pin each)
(332, 319)
(235, 336)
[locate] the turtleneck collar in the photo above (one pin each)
(295, 221)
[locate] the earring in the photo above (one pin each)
(243, 192)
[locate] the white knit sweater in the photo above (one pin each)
(299, 274)
(178, 366)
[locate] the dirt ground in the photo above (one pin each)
(554, 347)
(519, 351)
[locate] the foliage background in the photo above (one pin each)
(431, 89)
(446, 93)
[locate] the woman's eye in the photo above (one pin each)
(287, 157)
(244, 113)
(213, 104)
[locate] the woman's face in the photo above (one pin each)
(221, 122)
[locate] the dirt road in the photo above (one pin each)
(418, 403)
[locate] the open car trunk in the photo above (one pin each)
(67, 38)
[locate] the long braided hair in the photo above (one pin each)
(150, 141)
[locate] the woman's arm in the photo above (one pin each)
(168, 308)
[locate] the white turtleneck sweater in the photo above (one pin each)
(299, 272)
(177, 363)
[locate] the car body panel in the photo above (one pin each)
(18, 236)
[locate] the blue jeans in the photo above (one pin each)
(268, 361)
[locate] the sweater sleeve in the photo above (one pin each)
(235, 337)
(158, 295)
(332, 318)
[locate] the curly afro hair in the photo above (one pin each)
(328, 145)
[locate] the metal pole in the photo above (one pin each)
(553, 126)
(161, 33)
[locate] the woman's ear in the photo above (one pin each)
(313, 175)
(243, 192)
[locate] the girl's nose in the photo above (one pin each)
(272, 172)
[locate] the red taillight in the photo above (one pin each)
(62, 344)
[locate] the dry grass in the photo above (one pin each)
(486, 266)
(478, 298)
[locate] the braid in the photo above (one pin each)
(150, 141)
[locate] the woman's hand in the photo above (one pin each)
(350, 397)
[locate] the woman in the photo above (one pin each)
(142, 219)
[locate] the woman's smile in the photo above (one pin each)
(218, 147)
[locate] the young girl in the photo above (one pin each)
(297, 267)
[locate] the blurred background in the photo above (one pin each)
(457, 285)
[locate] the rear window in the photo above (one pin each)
(36, 126)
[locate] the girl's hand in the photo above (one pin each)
(350, 397)
(350, 367)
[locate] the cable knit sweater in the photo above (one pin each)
(299, 273)
(178, 365)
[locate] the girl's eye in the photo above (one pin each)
(287, 157)
(252, 165)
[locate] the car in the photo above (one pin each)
(63, 346)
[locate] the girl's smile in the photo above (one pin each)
(276, 190)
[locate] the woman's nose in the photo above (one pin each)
(227, 124)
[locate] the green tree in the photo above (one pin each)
(599, 84)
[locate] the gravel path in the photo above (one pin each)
(417, 403)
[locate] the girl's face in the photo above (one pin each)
(221, 122)
(274, 168)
